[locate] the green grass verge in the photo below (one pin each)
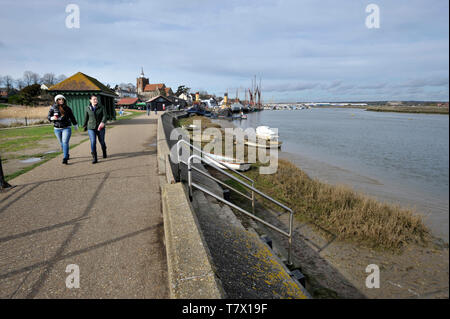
(13, 140)
(45, 158)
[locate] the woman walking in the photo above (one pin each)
(94, 123)
(62, 117)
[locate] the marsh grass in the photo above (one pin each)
(342, 212)
(20, 112)
(409, 109)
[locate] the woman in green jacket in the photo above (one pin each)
(94, 123)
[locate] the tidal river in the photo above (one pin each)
(396, 157)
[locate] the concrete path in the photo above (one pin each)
(106, 218)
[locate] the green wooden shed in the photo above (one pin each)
(78, 89)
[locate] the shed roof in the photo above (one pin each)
(81, 82)
(157, 97)
(127, 101)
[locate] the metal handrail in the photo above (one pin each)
(217, 163)
(251, 187)
(209, 156)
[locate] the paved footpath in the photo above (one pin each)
(106, 218)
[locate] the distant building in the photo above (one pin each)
(169, 91)
(160, 102)
(128, 102)
(44, 87)
(122, 93)
(5, 93)
(141, 82)
(146, 90)
(186, 97)
(394, 103)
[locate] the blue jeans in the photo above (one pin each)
(63, 136)
(93, 134)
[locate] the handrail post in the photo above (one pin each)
(178, 158)
(291, 220)
(253, 199)
(190, 178)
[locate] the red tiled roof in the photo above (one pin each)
(153, 87)
(127, 101)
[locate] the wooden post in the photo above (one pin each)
(3, 183)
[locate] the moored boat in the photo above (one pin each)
(230, 162)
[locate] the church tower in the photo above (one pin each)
(141, 82)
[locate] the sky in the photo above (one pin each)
(303, 50)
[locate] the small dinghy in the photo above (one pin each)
(230, 162)
(264, 144)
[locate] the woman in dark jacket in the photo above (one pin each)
(94, 123)
(62, 117)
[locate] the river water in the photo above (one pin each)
(396, 157)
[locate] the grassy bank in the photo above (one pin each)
(13, 140)
(409, 109)
(342, 212)
(44, 158)
(206, 122)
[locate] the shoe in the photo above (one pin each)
(65, 160)
(104, 152)
(94, 158)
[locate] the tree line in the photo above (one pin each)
(29, 78)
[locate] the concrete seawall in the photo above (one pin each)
(190, 270)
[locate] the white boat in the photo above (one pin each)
(190, 127)
(230, 162)
(265, 144)
(266, 133)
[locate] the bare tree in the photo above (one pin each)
(61, 78)
(20, 84)
(27, 77)
(30, 77)
(35, 78)
(8, 82)
(48, 79)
